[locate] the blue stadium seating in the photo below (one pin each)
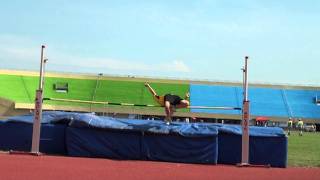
(302, 103)
(272, 102)
(205, 95)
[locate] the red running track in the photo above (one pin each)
(29, 167)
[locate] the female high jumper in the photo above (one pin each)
(170, 102)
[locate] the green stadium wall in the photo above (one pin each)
(21, 89)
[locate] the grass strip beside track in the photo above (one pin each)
(304, 151)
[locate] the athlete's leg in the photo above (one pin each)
(168, 111)
(153, 92)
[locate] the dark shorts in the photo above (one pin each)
(173, 99)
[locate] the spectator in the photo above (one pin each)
(300, 126)
(290, 123)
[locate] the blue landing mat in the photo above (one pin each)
(84, 134)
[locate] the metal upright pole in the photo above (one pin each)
(38, 108)
(245, 117)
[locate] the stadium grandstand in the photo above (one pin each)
(270, 102)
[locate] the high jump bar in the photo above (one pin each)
(140, 105)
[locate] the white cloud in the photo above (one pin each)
(20, 54)
(20, 51)
(120, 65)
(177, 66)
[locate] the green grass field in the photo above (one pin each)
(304, 150)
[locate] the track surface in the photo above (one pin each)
(28, 167)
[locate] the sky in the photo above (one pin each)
(181, 39)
